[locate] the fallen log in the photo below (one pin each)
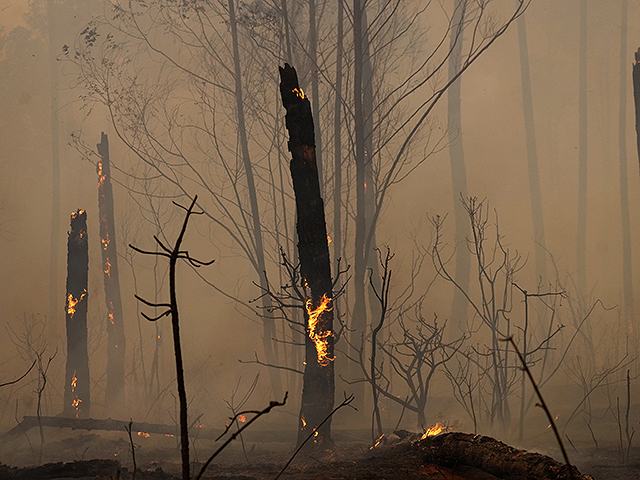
(494, 457)
(109, 424)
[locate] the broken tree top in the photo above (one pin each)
(298, 107)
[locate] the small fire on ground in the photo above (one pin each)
(437, 429)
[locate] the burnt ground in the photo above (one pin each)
(453, 456)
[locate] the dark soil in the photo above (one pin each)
(453, 456)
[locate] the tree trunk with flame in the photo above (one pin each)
(318, 383)
(76, 388)
(114, 396)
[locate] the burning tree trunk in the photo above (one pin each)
(114, 396)
(318, 383)
(76, 389)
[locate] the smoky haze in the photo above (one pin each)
(195, 140)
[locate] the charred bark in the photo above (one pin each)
(318, 382)
(494, 457)
(359, 322)
(636, 96)
(173, 255)
(76, 389)
(627, 263)
(114, 396)
(337, 127)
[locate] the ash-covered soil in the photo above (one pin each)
(452, 456)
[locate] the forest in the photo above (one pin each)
(319, 239)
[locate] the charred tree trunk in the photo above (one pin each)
(173, 255)
(318, 383)
(627, 266)
(371, 261)
(359, 322)
(337, 126)
(636, 96)
(76, 383)
(114, 396)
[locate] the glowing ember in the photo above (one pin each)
(299, 92)
(101, 175)
(304, 422)
(318, 337)
(74, 381)
(75, 214)
(437, 429)
(105, 242)
(549, 426)
(76, 404)
(144, 434)
(72, 302)
(242, 418)
(107, 267)
(329, 240)
(377, 442)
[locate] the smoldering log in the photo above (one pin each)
(114, 395)
(77, 400)
(318, 380)
(494, 457)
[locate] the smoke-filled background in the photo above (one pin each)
(544, 136)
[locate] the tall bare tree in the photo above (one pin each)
(627, 266)
(532, 154)
(581, 242)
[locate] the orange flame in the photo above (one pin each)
(107, 267)
(72, 302)
(101, 175)
(377, 442)
(105, 242)
(144, 434)
(321, 339)
(304, 422)
(74, 381)
(437, 429)
(76, 404)
(299, 92)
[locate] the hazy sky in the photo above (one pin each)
(494, 142)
